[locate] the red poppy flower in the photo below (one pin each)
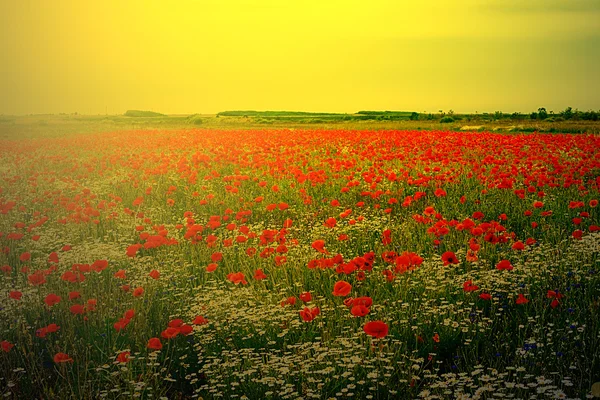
(449, 258)
(121, 324)
(41, 333)
(290, 300)
(120, 274)
(364, 301)
(77, 309)
(99, 265)
(305, 297)
(518, 246)
(342, 288)
(237, 278)
(359, 310)
(52, 299)
(469, 287)
(504, 265)
(439, 192)
(554, 294)
(308, 314)
(376, 329)
(386, 237)
(522, 299)
(62, 358)
(280, 260)
(170, 333)
(478, 215)
(154, 274)
(472, 256)
(137, 292)
(330, 222)
(259, 274)
(200, 320)
(186, 329)
(123, 357)
(319, 245)
(175, 323)
(53, 257)
(70, 276)
(6, 346)
(74, 295)
(211, 267)
(15, 295)
(154, 344)
(485, 296)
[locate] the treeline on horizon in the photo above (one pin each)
(450, 116)
(315, 117)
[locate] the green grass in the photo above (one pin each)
(16, 127)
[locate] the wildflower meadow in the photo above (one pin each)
(299, 264)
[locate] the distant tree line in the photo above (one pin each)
(567, 114)
(541, 115)
(443, 116)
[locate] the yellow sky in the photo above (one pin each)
(188, 56)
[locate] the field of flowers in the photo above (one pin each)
(299, 264)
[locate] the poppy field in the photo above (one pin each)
(299, 264)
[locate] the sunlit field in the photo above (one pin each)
(299, 264)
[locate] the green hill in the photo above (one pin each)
(140, 113)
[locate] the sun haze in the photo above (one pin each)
(340, 56)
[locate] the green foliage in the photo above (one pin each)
(308, 117)
(542, 113)
(590, 115)
(446, 120)
(140, 114)
(567, 113)
(195, 119)
(266, 114)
